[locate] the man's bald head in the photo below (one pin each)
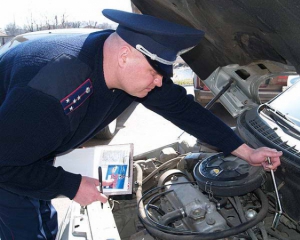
(128, 69)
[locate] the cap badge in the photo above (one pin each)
(152, 55)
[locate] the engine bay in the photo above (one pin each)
(190, 190)
(201, 195)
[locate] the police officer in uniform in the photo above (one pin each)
(57, 92)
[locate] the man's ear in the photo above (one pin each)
(124, 53)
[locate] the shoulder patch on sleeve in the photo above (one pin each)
(77, 97)
(61, 76)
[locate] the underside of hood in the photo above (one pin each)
(236, 31)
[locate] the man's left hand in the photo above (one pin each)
(259, 156)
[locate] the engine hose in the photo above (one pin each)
(196, 235)
(240, 212)
(276, 234)
(157, 209)
(171, 217)
(263, 231)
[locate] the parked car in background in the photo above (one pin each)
(292, 79)
(269, 89)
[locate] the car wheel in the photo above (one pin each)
(108, 132)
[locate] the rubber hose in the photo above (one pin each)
(243, 217)
(139, 191)
(263, 231)
(171, 217)
(275, 234)
(157, 209)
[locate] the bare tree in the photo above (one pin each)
(74, 24)
(105, 26)
(56, 22)
(47, 23)
(39, 26)
(29, 26)
(90, 24)
(63, 21)
(12, 29)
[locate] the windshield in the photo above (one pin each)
(288, 103)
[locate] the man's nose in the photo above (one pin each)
(158, 81)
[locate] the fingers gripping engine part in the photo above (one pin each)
(191, 206)
(228, 176)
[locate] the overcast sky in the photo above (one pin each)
(19, 11)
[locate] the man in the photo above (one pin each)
(58, 92)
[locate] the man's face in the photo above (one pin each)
(139, 78)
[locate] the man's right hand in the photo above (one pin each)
(88, 192)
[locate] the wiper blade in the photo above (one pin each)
(282, 119)
(284, 116)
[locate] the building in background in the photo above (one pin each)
(4, 38)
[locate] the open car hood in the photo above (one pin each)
(253, 41)
(236, 32)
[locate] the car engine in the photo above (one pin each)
(202, 195)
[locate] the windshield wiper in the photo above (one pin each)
(280, 114)
(281, 118)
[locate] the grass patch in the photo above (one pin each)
(183, 82)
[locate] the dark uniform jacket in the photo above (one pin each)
(53, 98)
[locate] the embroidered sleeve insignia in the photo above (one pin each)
(72, 101)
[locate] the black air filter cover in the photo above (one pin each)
(228, 176)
